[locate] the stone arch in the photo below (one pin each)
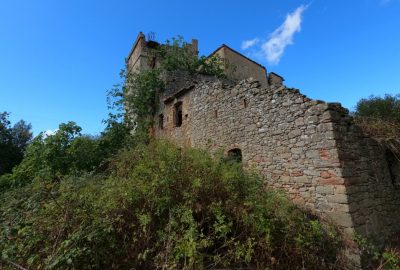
(235, 154)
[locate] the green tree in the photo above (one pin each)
(177, 54)
(379, 116)
(13, 142)
(67, 152)
(114, 137)
(386, 108)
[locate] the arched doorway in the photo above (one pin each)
(235, 155)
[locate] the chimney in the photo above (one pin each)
(195, 46)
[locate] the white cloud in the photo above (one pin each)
(249, 43)
(274, 47)
(49, 132)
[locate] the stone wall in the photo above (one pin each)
(309, 148)
(373, 195)
(137, 58)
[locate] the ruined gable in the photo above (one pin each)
(239, 67)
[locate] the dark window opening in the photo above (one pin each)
(216, 114)
(178, 114)
(152, 63)
(393, 161)
(244, 103)
(161, 121)
(235, 155)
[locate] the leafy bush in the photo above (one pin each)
(379, 117)
(387, 258)
(161, 207)
(175, 55)
(140, 93)
(179, 55)
(379, 128)
(386, 108)
(67, 152)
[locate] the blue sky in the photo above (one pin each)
(58, 58)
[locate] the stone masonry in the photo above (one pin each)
(309, 148)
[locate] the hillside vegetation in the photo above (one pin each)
(157, 206)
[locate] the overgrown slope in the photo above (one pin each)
(160, 207)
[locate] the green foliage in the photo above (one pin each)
(379, 117)
(175, 55)
(160, 207)
(135, 97)
(387, 258)
(118, 127)
(141, 91)
(391, 259)
(67, 152)
(386, 108)
(13, 142)
(115, 137)
(212, 66)
(179, 55)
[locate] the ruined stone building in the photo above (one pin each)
(309, 148)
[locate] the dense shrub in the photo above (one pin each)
(379, 117)
(160, 207)
(386, 108)
(379, 128)
(176, 54)
(382, 258)
(140, 92)
(67, 152)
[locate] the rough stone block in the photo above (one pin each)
(327, 174)
(324, 190)
(338, 198)
(342, 219)
(285, 179)
(297, 173)
(340, 207)
(340, 189)
(294, 133)
(302, 179)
